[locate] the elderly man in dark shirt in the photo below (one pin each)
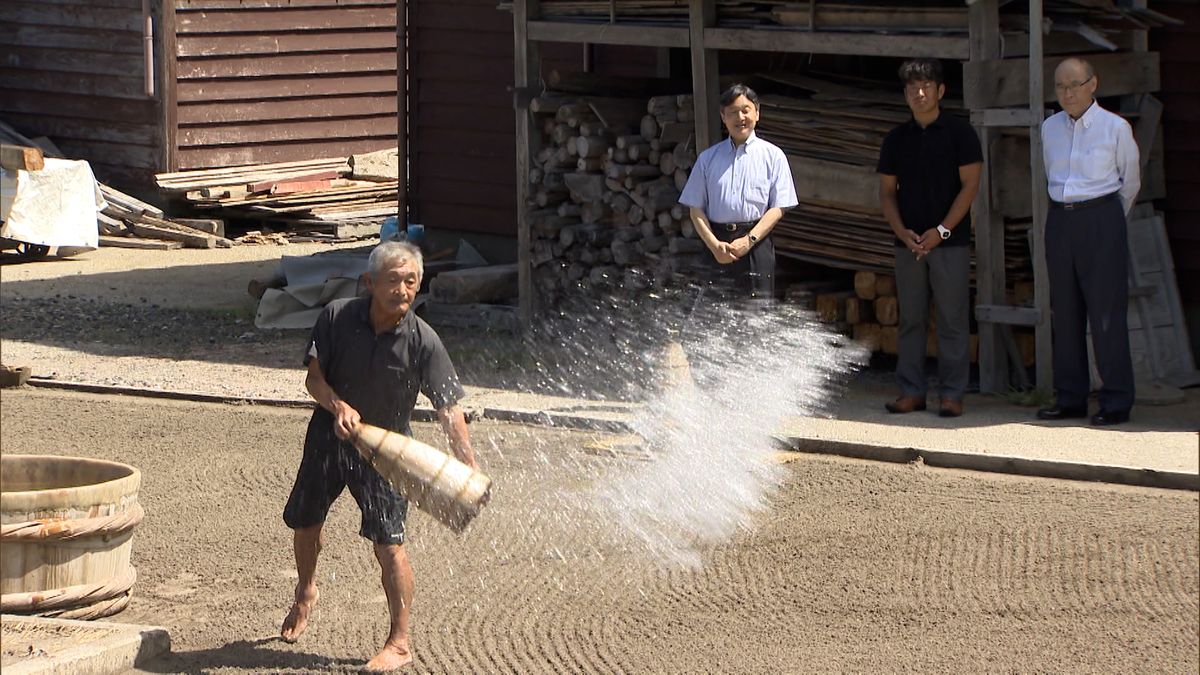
(367, 360)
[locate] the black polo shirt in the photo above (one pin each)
(379, 375)
(925, 162)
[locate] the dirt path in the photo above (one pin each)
(856, 566)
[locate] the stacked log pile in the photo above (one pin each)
(342, 195)
(604, 192)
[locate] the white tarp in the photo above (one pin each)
(55, 206)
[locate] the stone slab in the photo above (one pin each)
(41, 646)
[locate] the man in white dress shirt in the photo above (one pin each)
(1092, 175)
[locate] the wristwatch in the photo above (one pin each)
(943, 231)
(753, 239)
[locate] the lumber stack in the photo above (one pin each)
(604, 192)
(326, 194)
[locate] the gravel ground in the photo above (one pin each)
(853, 566)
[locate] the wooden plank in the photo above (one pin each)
(1007, 315)
(836, 42)
(1001, 117)
(284, 20)
(325, 107)
(60, 128)
(14, 12)
(81, 112)
(835, 182)
(256, 89)
(996, 83)
(308, 42)
(189, 240)
(21, 158)
(73, 38)
(166, 53)
(56, 59)
(85, 84)
(608, 34)
(138, 242)
(271, 185)
(288, 64)
(272, 4)
(276, 132)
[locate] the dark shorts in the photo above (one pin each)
(328, 467)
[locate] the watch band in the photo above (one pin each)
(753, 239)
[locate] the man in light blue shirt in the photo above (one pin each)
(736, 193)
(1093, 178)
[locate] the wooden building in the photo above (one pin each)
(143, 86)
(1007, 86)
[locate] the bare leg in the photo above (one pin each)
(307, 543)
(398, 585)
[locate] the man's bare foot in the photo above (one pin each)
(392, 657)
(297, 618)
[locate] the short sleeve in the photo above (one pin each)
(967, 144)
(320, 342)
(783, 187)
(695, 191)
(888, 163)
(439, 381)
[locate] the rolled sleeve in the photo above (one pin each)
(695, 191)
(783, 187)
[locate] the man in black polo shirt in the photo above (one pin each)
(367, 360)
(929, 171)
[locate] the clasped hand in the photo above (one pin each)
(921, 244)
(730, 251)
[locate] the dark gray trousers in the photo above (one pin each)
(944, 273)
(1087, 257)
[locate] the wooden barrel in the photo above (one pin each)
(435, 482)
(66, 530)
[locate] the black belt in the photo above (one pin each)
(1071, 206)
(734, 227)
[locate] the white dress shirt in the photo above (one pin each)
(737, 184)
(1090, 157)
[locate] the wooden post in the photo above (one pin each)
(702, 14)
(527, 60)
(402, 99)
(1041, 282)
(168, 87)
(984, 20)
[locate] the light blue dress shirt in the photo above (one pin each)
(737, 184)
(1090, 157)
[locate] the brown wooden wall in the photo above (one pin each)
(283, 80)
(72, 70)
(462, 143)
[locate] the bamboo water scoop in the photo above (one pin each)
(434, 481)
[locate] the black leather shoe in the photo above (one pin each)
(1107, 418)
(1057, 413)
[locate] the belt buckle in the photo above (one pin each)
(1068, 206)
(731, 227)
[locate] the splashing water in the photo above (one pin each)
(708, 418)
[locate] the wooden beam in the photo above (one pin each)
(1000, 117)
(996, 83)
(702, 14)
(21, 158)
(138, 242)
(527, 67)
(984, 20)
(1007, 315)
(1041, 79)
(608, 34)
(837, 42)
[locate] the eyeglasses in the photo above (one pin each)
(1072, 87)
(917, 87)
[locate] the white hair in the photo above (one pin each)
(394, 252)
